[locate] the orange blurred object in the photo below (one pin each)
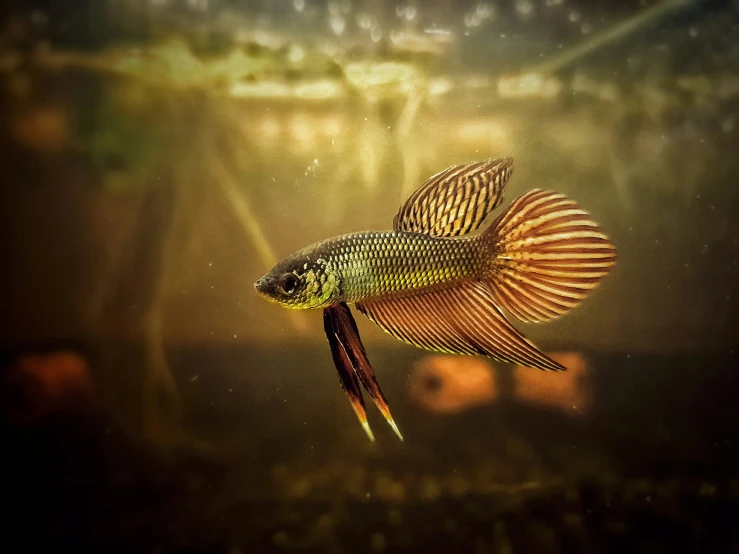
(47, 383)
(567, 390)
(450, 384)
(44, 129)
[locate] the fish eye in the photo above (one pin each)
(289, 283)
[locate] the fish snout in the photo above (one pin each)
(261, 286)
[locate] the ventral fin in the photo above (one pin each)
(351, 350)
(549, 254)
(459, 320)
(455, 201)
(347, 375)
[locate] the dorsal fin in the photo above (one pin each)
(455, 201)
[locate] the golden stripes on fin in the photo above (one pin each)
(459, 320)
(549, 255)
(455, 201)
(353, 365)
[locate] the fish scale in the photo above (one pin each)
(368, 265)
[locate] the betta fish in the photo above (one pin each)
(442, 280)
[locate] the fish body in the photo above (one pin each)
(360, 266)
(443, 278)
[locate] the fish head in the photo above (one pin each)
(301, 281)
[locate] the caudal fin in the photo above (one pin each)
(549, 254)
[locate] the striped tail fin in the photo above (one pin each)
(548, 255)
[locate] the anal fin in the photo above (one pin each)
(462, 319)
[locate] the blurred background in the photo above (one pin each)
(158, 156)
